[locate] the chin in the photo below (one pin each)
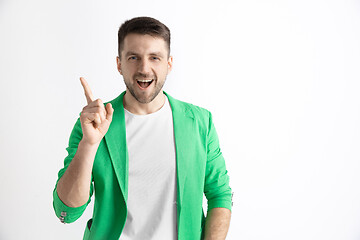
(145, 99)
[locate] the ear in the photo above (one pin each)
(118, 63)
(170, 63)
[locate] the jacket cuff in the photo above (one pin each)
(220, 204)
(224, 202)
(65, 213)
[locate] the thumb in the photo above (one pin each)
(109, 112)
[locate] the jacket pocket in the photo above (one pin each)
(202, 229)
(87, 230)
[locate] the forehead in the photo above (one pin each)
(143, 44)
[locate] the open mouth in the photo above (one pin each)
(144, 83)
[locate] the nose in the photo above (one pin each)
(144, 67)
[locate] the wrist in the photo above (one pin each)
(88, 144)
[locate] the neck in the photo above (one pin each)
(135, 107)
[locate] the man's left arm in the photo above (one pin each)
(216, 189)
(217, 223)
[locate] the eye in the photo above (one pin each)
(132, 58)
(155, 58)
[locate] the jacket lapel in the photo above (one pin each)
(115, 139)
(183, 119)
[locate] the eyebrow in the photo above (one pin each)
(130, 53)
(152, 54)
(156, 54)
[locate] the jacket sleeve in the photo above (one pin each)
(64, 213)
(216, 189)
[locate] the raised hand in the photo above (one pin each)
(95, 118)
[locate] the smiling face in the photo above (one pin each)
(144, 64)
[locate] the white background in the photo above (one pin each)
(280, 77)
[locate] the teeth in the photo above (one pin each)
(144, 80)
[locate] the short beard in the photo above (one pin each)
(152, 96)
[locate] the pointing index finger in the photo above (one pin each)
(87, 90)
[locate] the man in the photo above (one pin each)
(149, 157)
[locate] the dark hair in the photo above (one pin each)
(143, 25)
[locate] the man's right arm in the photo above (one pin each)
(74, 186)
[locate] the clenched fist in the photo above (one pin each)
(95, 118)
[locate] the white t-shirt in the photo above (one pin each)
(152, 212)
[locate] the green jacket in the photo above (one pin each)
(200, 169)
